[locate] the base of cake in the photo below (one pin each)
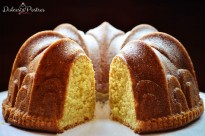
(23, 120)
(101, 126)
(168, 122)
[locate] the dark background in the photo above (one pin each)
(182, 19)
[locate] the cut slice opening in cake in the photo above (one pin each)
(121, 94)
(80, 94)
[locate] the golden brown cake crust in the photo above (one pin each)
(138, 32)
(165, 90)
(28, 53)
(148, 80)
(39, 100)
(71, 32)
(167, 122)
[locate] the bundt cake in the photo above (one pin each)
(147, 74)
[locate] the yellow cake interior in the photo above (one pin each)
(121, 96)
(80, 94)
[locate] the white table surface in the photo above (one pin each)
(102, 126)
